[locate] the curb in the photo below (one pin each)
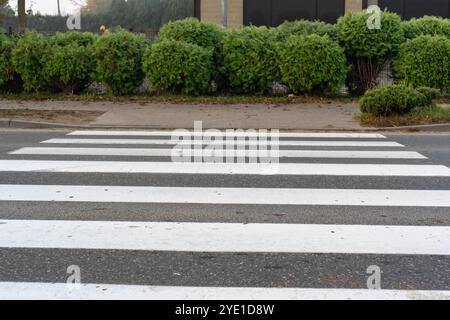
(25, 124)
(440, 127)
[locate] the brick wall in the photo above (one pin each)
(353, 5)
(211, 10)
(235, 13)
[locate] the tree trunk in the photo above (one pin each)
(22, 15)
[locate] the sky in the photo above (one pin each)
(49, 6)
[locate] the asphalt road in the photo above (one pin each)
(22, 262)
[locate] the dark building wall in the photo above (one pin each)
(275, 12)
(197, 9)
(408, 9)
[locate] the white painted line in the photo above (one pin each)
(62, 291)
(226, 142)
(225, 237)
(100, 152)
(224, 133)
(136, 152)
(225, 168)
(274, 196)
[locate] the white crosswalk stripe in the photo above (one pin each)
(225, 237)
(306, 143)
(136, 152)
(232, 133)
(357, 156)
(335, 169)
(51, 291)
(334, 197)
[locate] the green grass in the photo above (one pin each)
(427, 115)
(180, 99)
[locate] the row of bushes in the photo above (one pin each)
(70, 61)
(188, 56)
(315, 57)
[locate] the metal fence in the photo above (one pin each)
(139, 16)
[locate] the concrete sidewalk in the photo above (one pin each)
(337, 116)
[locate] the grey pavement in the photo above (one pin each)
(170, 116)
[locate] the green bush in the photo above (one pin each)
(119, 60)
(204, 34)
(394, 100)
(305, 28)
(250, 59)
(377, 44)
(424, 61)
(28, 59)
(368, 49)
(70, 63)
(428, 25)
(6, 68)
(190, 30)
(84, 39)
(312, 64)
(429, 93)
(178, 66)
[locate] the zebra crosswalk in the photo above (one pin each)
(141, 226)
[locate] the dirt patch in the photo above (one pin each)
(54, 116)
(435, 115)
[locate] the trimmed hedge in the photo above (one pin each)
(70, 63)
(312, 64)
(119, 60)
(305, 28)
(203, 34)
(178, 66)
(424, 61)
(429, 93)
(368, 49)
(6, 68)
(427, 25)
(250, 59)
(395, 100)
(84, 39)
(377, 44)
(28, 59)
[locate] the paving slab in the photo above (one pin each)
(288, 117)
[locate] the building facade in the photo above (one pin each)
(275, 12)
